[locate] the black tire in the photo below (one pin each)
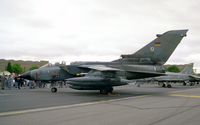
(169, 85)
(191, 84)
(110, 90)
(103, 91)
(163, 85)
(53, 90)
(106, 90)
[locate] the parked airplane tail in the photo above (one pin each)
(158, 51)
(188, 69)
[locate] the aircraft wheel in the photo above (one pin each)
(163, 85)
(106, 90)
(184, 84)
(110, 89)
(169, 85)
(54, 90)
(103, 91)
(191, 84)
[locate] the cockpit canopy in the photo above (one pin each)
(51, 64)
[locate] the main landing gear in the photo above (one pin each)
(169, 85)
(106, 90)
(166, 85)
(189, 83)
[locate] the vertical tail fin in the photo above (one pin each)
(159, 50)
(188, 69)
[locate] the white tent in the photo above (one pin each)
(5, 73)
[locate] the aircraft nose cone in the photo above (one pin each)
(26, 75)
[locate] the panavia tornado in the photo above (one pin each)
(146, 62)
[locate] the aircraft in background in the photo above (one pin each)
(146, 62)
(185, 76)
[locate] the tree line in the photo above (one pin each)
(17, 68)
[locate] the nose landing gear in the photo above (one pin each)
(54, 89)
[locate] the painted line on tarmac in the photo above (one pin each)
(180, 91)
(5, 94)
(186, 96)
(20, 112)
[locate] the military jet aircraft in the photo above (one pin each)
(146, 62)
(185, 76)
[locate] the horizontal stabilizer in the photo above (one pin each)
(195, 77)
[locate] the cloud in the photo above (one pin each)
(94, 29)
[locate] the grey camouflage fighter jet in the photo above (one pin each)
(146, 62)
(185, 76)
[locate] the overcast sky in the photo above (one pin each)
(94, 30)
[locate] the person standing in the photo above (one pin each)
(3, 80)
